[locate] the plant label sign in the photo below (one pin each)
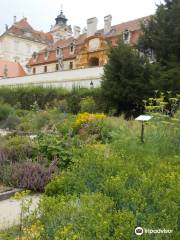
(143, 118)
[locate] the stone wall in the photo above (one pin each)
(66, 79)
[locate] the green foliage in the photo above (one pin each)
(55, 148)
(62, 105)
(5, 111)
(9, 234)
(162, 35)
(142, 180)
(126, 80)
(11, 122)
(84, 217)
(164, 104)
(88, 105)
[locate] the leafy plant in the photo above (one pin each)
(5, 110)
(88, 105)
(55, 148)
(32, 176)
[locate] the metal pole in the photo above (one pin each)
(142, 132)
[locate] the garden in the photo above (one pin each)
(81, 151)
(96, 179)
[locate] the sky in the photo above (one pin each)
(41, 14)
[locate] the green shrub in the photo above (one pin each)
(74, 103)
(10, 122)
(62, 105)
(5, 110)
(55, 148)
(16, 148)
(88, 105)
(90, 217)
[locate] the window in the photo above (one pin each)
(94, 62)
(46, 54)
(45, 69)
(71, 65)
(150, 55)
(34, 70)
(57, 67)
(72, 48)
(126, 36)
(57, 51)
(34, 55)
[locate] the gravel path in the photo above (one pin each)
(10, 211)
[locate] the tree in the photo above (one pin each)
(162, 33)
(162, 36)
(126, 80)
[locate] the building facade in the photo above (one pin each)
(85, 50)
(18, 42)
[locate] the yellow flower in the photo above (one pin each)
(84, 118)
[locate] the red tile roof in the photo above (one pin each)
(133, 26)
(24, 29)
(14, 69)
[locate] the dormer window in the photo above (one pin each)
(59, 52)
(72, 48)
(126, 36)
(34, 56)
(46, 54)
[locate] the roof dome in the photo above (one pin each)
(61, 19)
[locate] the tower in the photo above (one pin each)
(61, 30)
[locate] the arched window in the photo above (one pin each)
(94, 62)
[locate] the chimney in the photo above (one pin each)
(14, 19)
(77, 31)
(6, 27)
(92, 26)
(107, 24)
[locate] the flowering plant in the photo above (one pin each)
(84, 118)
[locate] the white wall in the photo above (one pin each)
(66, 79)
(15, 48)
(51, 67)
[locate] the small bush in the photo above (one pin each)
(54, 147)
(16, 148)
(5, 110)
(62, 105)
(11, 122)
(32, 176)
(74, 103)
(88, 105)
(89, 126)
(41, 120)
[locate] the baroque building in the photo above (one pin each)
(18, 42)
(61, 30)
(85, 50)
